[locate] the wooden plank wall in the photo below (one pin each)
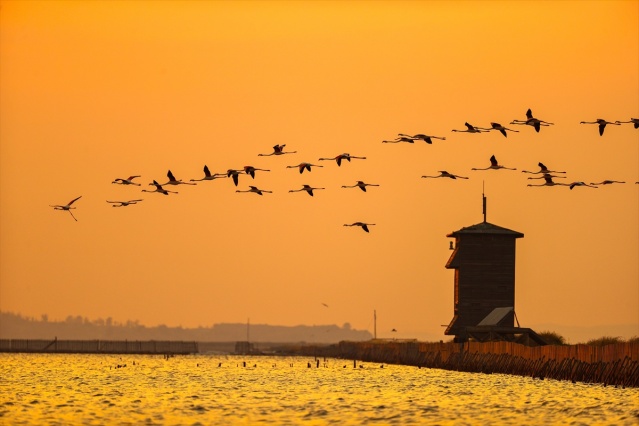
(616, 364)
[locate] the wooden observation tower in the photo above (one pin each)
(484, 301)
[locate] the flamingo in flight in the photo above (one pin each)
(494, 165)
(159, 189)
(532, 121)
(500, 128)
(123, 203)
(542, 170)
(345, 156)
(548, 181)
(546, 175)
(360, 184)
(209, 176)
(602, 124)
(278, 150)
(309, 189)
(303, 166)
(581, 183)
(634, 121)
(445, 174)
(250, 170)
(128, 181)
(254, 189)
(235, 174)
(606, 182)
(401, 138)
(471, 129)
(420, 136)
(363, 225)
(67, 207)
(174, 181)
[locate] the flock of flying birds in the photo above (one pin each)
(545, 173)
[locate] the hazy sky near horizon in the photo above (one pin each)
(93, 91)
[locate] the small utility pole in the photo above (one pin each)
(375, 324)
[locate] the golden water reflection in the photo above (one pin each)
(201, 389)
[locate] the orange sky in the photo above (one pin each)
(92, 91)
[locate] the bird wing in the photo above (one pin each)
(469, 126)
(365, 227)
(170, 175)
(133, 177)
(493, 161)
(543, 167)
(74, 200)
(207, 172)
(529, 114)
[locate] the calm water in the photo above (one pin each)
(195, 390)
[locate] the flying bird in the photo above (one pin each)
(542, 170)
(250, 170)
(67, 207)
(209, 176)
(159, 189)
(445, 174)
(494, 165)
(403, 138)
(548, 181)
(123, 203)
(545, 175)
(634, 121)
(128, 181)
(606, 182)
(363, 225)
(174, 181)
(532, 121)
(361, 185)
(602, 124)
(309, 189)
(345, 156)
(420, 136)
(278, 150)
(572, 185)
(471, 129)
(254, 189)
(303, 166)
(500, 128)
(235, 174)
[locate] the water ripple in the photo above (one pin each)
(196, 390)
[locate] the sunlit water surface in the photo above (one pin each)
(196, 390)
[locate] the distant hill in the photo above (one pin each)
(16, 326)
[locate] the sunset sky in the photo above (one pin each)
(93, 91)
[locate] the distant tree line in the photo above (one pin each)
(553, 338)
(16, 326)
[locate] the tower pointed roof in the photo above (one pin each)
(485, 228)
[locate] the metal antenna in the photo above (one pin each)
(483, 197)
